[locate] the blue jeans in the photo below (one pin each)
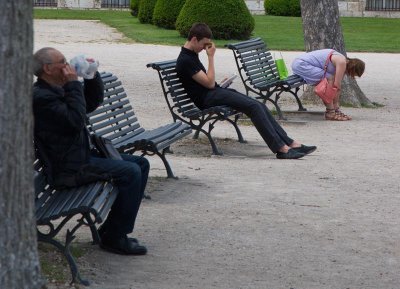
(130, 177)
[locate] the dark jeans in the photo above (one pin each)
(270, 130)
(130, 177)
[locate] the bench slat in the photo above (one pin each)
(124, 111)
(117, 123)
(103, 203)
(114, 106)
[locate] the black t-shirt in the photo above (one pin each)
(187, 65)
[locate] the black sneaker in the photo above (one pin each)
(305, 149)
(291, 154)
(123, 246)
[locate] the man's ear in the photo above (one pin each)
(46, 69)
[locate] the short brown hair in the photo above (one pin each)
(355, 67)
(200, 31)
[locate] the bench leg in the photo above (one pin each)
(294, 93)
(170, 174)
(267, 96)
(64, 249)
(196, 134)
(213, 145)
(301, 107)
(238, 132)
(214, 148)
(278, 109)
(91, 224)
(199, 128)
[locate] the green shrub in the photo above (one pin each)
(294, 8)
(282, 7)
(166, 12)
(146, 8)
(228, 19)
(134, 6)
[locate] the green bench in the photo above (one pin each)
(259, 74)
(184, 110)
(115, 119)
(54, 208)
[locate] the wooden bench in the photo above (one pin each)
(115, 119)
(54, 208)
(183, 109)
(259, 74)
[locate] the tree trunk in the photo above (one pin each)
(19, 265)
(322, 29)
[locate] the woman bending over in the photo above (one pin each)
(310, 66)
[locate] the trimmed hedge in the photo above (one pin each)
(228, 19)
(134, 5)
(282, 7)
(146, 8)
(166, 12)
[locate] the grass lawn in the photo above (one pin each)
(281, 33)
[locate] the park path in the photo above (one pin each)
(246, 220)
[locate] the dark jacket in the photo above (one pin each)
(60, 134)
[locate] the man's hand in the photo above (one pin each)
(69, 73)
(210, 49)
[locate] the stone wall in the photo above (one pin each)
(347, 8)
(256, 6)
(351, 8)
(356, 8)
(83, 4)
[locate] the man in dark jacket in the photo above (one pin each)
(60, 104)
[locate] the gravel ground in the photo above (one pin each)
(246, 220)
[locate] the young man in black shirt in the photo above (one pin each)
(205, 92)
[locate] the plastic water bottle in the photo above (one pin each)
(83, 67)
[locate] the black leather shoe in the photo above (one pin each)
(291, 154)
(305, 149)
(123, 246)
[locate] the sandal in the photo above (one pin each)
(338, 111)
(332, 114)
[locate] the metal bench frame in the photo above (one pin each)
(92, 202)
(259, 74)
(115, 119)
(183, 109)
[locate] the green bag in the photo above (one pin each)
(281, 66)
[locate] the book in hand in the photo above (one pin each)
(228, 81)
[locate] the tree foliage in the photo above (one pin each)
(134, 6)
(166, 12)
(146, 9)
(282, 7)
(228, 19)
